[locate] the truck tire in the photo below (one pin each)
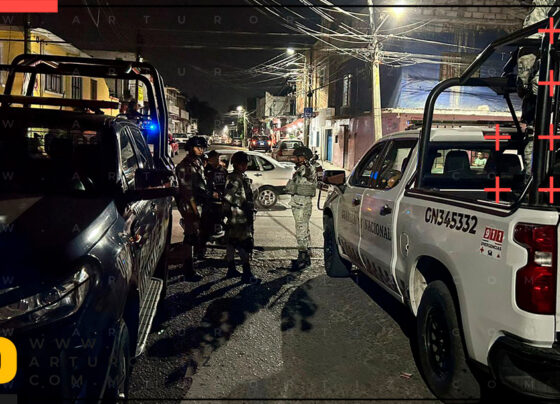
(335, 265)
(442, 354)
(120, 369)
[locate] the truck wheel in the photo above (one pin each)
(335, 265)
(443, 358)
(119, 372)
(162, 269)
(267, 197)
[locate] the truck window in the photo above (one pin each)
(366, 172)
(128, 159)
(467, 169)
(144, 154)
(394, 163)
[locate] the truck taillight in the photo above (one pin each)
(535, 284)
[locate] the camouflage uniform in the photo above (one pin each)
(302, 187)
(193, 193)
(528, 77)
(239, 196)
(527, 63)
(212, 212)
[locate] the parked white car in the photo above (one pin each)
(269, 176)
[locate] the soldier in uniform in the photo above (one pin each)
(212, 213)
(241, 215)
(302, 187)
(193, 194)
(528, 77)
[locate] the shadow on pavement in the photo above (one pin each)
(221, 319)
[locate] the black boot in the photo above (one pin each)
(302, 262)
(231, 271)
(308, 258)
(189, 271)
(248, 276)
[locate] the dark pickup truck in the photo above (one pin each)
(85, 226)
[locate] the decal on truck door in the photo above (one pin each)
(451, 220)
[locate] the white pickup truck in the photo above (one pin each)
(420, 215)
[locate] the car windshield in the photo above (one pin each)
(52, 159)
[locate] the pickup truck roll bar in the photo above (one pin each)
(504, 85)
(103, 68)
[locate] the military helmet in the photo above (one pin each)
(196, 141)
(303, 151)
(239, 157)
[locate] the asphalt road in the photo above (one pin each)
(296, 335)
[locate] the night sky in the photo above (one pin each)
(189, 45)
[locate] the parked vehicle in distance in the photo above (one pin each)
(237, 141)
(181, 138)
(260, 143)
(269, 176)
(284, 150)
(173, 146)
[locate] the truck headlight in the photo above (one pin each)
(55, 303)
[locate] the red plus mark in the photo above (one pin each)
(550, 83)
(497, 137)
(550, 30)
(551, 190)
(551, 137)
(497, 190)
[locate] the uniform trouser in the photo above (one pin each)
(230, 253)
(302, 215)
(191, 233)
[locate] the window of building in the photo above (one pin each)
(346, 90)
(93, 89)
(53, 83)
(77, 88)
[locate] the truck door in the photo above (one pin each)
(143, 219)
(159, 208)
(378, 220)
(348, 212)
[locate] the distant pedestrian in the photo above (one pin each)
(193, 194)
(241, 215)
(302, 187)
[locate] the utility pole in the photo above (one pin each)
(26, 34)
(244, 127)
(308, 96)
(375, 84)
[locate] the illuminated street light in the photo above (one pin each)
(239, 108)
(398, 11)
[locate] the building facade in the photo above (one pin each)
(342, 127)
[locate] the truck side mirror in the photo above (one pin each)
(334, 177)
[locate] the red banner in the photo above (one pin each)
(28, 6)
